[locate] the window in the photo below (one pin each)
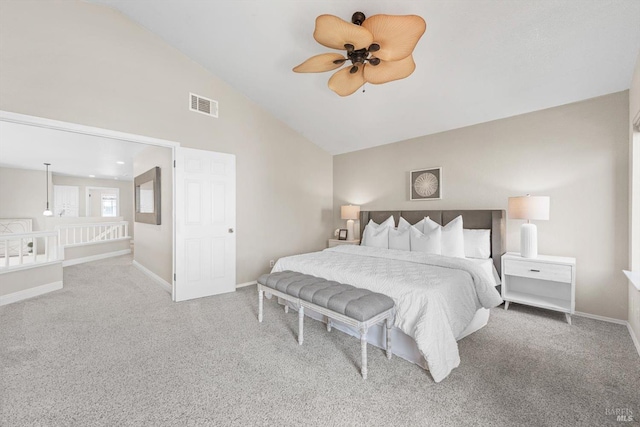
(109, 204)
(103, 202)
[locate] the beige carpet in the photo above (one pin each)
(112, 349)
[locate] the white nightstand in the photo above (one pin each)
(336, 242)
(546, 282)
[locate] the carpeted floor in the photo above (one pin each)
(112, 349)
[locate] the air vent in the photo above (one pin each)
(203, 105)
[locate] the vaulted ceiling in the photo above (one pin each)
(479, 60)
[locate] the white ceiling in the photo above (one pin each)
(479, 60)
(75, 154)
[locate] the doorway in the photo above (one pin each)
(172, 282)
(103, 201)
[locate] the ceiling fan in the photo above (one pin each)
(380, 49)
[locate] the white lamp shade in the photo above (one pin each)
(349, 212)
(529, 207)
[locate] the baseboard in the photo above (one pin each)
(602, 318)
(636, 343)
(244, 285)
(30, 293)
(635, 340)
(163, 283)
(82, 260)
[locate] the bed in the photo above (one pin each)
(439, 299)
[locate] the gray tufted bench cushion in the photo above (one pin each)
(353, 306)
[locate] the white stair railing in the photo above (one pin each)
(82, 234)
(28, 255)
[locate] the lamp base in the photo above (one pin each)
(529, 241)
(350, 235)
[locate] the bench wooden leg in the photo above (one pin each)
(260, 302)
(328, 324)
(363, 347)
(389, 338)
(300, 325)
(286, 307)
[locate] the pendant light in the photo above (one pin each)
(47, 212)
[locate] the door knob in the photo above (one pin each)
(231, 230)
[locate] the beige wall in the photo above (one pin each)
(153, 247)
(77, 252)
(22, 280)
(634, 181)
(125, 189)
(23, 195)
(577, 154)
(87, 64)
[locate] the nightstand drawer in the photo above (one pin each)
(538, 270)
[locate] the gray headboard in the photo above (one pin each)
(493, 220)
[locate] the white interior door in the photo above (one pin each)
(205, 215)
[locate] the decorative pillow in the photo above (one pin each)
(376, 237)
(389, 222)
(403, 223)
(477, 243)
(370, 230)
(400, 239)
(452, 236)
(429, 243)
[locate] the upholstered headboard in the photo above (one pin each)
(493, 220)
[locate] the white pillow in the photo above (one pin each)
(477, 243)
(429, 243)
(400, 239)
(376, 237)
(389, 222)
(371, 227)
(420, 224)
(452, 236)
(403, 223)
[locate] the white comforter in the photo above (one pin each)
(436, 297)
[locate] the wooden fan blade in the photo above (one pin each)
(396, 35)
(320, 63)
(388, 71)
(334, 32)
(344, 83)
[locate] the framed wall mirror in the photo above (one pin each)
(147, 194)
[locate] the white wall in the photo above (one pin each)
(23, 280)
(23, 194)
(634, 205)
(154, 243)
(85, 63)
(577, 154)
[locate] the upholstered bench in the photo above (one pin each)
(355, 307)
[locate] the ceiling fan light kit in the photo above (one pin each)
(379, 49)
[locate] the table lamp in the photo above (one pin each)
(530, 208)
(349, 212)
